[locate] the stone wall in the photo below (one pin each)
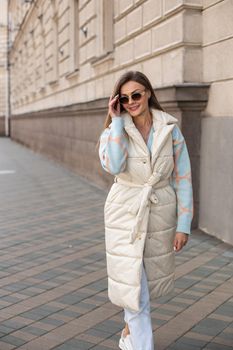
(2, 126)
(3, 66)
(216, 176)
(61, 57)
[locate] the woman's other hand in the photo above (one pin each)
(114, 106)
(180, 240)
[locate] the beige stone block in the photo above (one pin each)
(192, 32)
(85, 72)
(63, 7)
(142, 44)
(91, 49)
(217, 61)
(3, 12)
(82, 3)
(172, 67)
(152, 10)
(120, 29)
(134, 21)
(118, 74)
(220, 101)
(207, 3)
(82, 54)
(216, 155)
(63, 52)
(46, 14)
(171, 5)
(87, 12)
(108, 84)
(218, 22)
(168, 33)
(124, 53)
(125, 5)
(99, 88)
(76, 94)
(63, 36)
(193, 65)
(64, 67)
(194, 3)
(91, 91)
(101, 69)
(153, 70)
(136, 67)
(91, 31)
(115, 8)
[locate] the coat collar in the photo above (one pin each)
(163, 124)
(159, 118)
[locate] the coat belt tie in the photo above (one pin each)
(140, 208)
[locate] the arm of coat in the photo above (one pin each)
(113, 147)
(182, 182)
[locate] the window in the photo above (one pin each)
(74, 35)
(104, 27)
(54, 71)
(42, 54)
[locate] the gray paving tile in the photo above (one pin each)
(178, 346)
(13, 340)
(225, 309)
(190, 341)
(34, 330)
(99, 333)
(210, 326)
(100, 347)
(6, 330)
(109, 325)
(52, 321)
(214, 346)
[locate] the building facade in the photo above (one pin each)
(3, 66)
(67, 54)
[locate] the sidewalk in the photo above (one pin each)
(53, 284)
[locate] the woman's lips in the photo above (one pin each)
(133, 108)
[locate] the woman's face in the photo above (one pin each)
(139, 106)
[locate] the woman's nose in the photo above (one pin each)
(130, 100)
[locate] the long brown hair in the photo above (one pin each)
(140, 78)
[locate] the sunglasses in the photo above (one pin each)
(135, 96)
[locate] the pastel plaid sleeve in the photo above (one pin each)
(182, 182)
(113, 147)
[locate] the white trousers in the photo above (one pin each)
(139, 322)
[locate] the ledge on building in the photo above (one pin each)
(183, 93)
(108, 56)
(42, 90)
(73, 74)
(53, 83)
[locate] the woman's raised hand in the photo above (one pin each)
(114, 106)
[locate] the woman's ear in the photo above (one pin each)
(149, 94)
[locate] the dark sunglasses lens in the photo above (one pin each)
(136, 96)
(124, 99)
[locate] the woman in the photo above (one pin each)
(149, 208)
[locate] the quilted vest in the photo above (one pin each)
(140, 216)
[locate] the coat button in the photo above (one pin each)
(144, 161)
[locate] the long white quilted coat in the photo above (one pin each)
(140, 217)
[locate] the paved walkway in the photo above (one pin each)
(53, 283)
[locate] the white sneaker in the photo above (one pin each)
(125, 342)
